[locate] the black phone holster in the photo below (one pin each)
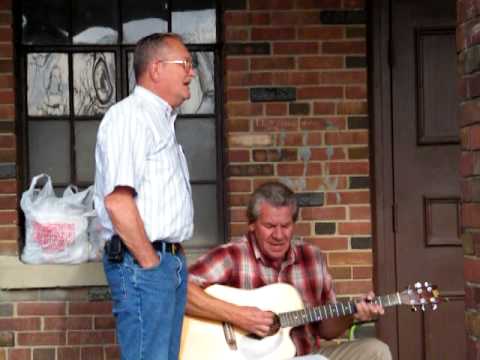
(115, 249)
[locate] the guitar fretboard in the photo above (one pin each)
(317, 313)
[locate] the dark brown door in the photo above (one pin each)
(426, 182)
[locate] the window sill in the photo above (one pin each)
(16, 275)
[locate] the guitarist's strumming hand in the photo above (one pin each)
(258, 322)
(367, 310)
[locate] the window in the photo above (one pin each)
(76, 60)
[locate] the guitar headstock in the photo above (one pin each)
(420, 296)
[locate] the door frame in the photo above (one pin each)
(381, 169)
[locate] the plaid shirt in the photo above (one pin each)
(241, 265)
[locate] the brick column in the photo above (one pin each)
(468, 48)
(8, 183)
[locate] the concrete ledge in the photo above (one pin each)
(16, 275)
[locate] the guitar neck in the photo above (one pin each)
(318, 313)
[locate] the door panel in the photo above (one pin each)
(426, 187)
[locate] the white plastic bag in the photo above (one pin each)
(55, 227)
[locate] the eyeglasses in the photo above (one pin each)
(187, 63)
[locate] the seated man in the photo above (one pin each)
(265, 256)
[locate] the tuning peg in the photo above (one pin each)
(423, 307)
(434, 307)
(414, 308)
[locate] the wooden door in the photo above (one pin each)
(425, 189)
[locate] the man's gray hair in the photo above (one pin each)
(275, 194)
(150, 47)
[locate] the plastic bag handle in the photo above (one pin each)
(47, 187)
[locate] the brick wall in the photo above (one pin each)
(468, 44)
(296, 110)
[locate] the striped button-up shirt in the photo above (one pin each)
(242, 265)
(136, 147)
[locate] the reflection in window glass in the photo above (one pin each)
(195, 20)
(85, 139)
(49, 149)
(206, 217)
(95, 22)
(197, 137)
(47, 78)
(131, 73)
(93, 82)
(202, 86)
(45, 22)
(143, 17)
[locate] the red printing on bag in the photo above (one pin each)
(53, 237)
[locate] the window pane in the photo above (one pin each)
(197, 137)
(93, 82)
(49, 149)
(131, 73)
(85, 139)
(195, 20)
(47, 79)
(202, 86)
(45, 22)
(142, 18)
(206, 217)
(95, 22)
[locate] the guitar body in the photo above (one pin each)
(203, 339)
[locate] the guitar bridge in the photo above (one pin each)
(229, 336)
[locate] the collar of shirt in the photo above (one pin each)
(147, 94)
(290, 258)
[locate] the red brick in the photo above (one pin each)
(274, 155)
(330, 243)
(318, 4)
(236, 35)
(319, 92)
(238, 199)
(358, 287)
(238, 156)
(275, 124)
(348, 197)
(354, 228)
(237, 94)
(6, 34)
(236, 64)
(298, 48)
(360, 213)
(347, 168)
(6, 66)
(94, 308)
(327, 183)
(112, 353)
(295, 18)
(323, 213)
(344, 77)
(68, 323)
(92, 353)
(68, 353)
(6, 18)
(471, 215)
(296, 78)
(41, 338)
(272, 63)
(260, 18)
(346, 138)
(327, 154)
(350, 258)
(468, 112)
(249, 79)
(290, 139)
(6, 51)
(362, 272)
(238, 215)
(8, 233)
(344, 47)
(8, 155)
(272, 4)
(244, 109)
(7, 112)
(9, 247)
(352, 108)
(19, 324)
(323, 108)
(236, 18)
(237, 125)
(292, 169)
(239, 185)
(303, 229)
(354, 4)
(19, 354)
(91, 337)
(319, 33)
(273, 33)
(104, 322)
(7, 141)
(320, 62)
(471, 137)
(43, 309)
(356, 92)
(8, 202)
(317, 123)
(276, 109)
(238, 229)
(471, 270)
(6, 81)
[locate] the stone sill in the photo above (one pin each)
(16, 275)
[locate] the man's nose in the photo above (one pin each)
(277, 232)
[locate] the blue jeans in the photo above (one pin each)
(148, 305)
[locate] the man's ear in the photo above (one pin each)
(155, 70)
(251, 226)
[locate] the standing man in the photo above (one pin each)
(265, 256)
(144, 203)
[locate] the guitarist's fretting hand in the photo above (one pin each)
(367, 310)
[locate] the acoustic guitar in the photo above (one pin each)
(205, 339)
